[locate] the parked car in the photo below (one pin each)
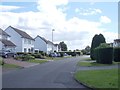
(52, 55)
(7, 53)
(58, 55)
(65, 54)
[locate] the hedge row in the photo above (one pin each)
(107, 55)
(117, 54)
(28, 56)
(104, 55)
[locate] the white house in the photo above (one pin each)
(23, 41)
(44, 45)
(116, 43)
(5, 43)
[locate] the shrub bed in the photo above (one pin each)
(25, 57)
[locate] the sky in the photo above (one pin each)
(75, 22)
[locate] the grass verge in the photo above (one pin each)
(89, 64)
(37, 61)
(7, 65)
(88, 59)
(98, 78)
(57, 58)
(10, 66)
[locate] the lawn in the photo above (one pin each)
(98, 78)
(10, 66)
(1, 60)
(88, 59)
(89, 64)
(37, 61)
(57, 58)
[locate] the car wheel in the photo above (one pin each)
(6, 56)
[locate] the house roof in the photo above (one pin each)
(47, 41)
(7, 43)
(117, 40)
(56, 44)
(3, 32)
(22, 33)
(42, 38)
(50, 42)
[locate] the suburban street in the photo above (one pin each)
(54, 74)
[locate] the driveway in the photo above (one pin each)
(56, 74)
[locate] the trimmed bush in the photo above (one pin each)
(97, 55)
(105, 55)
(25, 57)
(37, 55)
(20, 53)
(117, 54)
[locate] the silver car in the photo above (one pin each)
(7, 53)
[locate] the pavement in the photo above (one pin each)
(56, 74)
(97, 67)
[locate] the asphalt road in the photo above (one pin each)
(54, 74)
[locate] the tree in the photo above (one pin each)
(87, 49)
(63, 46)
(96, 41)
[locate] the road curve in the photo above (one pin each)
(54, 74)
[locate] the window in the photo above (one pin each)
(25, 41)
(29, 41)
(25, 50)
(32, 49)
(29, 50)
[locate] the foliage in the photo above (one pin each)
(37, 55)
(63, 46)
(96, 41)
(117, 54)
(25, 57)
(104, 55)
(87, 49)
(20, 53)
(103, 45)
(83, 51)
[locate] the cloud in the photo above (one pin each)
(8, 8)
(105, 19)
(89, 11)
(76, 32)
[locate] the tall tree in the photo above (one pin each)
(63, 46)
(96, 41)
(87, 49)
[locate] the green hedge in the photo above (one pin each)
(37, 55)
(104, 55)
(117, 54)
(96, 51)
(25, 57)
